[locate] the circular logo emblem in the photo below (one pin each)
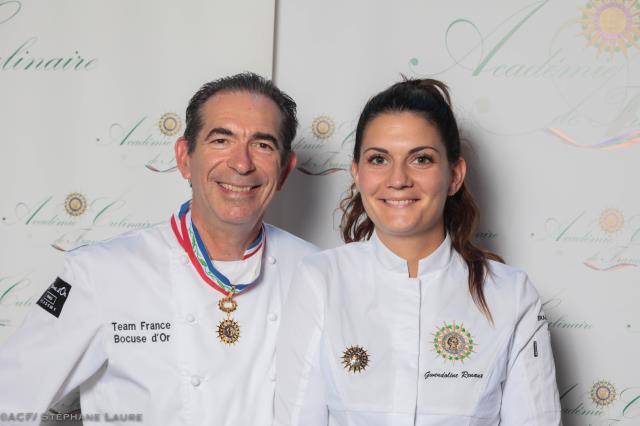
(355, 359)
(75, 204)
(322, 127)
(170, 124)
(603, 393)
(611, 220)
(228, 331)
(453, 342)
(611, 25)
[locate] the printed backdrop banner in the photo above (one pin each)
(547, 94)
(93, 99)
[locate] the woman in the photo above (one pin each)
(411, 323)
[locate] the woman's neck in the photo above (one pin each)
(414, 247)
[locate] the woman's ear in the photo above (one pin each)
(354, 174)
(458, 173)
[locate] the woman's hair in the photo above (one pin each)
(430, 99)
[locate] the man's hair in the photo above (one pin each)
(244, 82)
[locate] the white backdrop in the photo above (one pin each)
(547, 94)
(93, 98)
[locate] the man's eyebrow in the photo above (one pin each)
(219, 131)
(262, 136)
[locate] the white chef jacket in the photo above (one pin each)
(360, 295)
(182, 376)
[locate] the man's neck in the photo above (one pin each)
(226, 242)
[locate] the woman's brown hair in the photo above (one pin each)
(429, 99)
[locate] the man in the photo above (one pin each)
(176, 324)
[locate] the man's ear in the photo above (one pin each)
(287, 168)
(458, 173)
(183, 160)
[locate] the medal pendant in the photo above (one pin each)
(228, 304)
(228, 331)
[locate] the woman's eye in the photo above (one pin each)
(423, 159)
(376, 160)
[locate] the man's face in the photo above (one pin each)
(236, 166)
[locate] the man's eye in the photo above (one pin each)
(265, 146)
(218, 141)
(376, 160)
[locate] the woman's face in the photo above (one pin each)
(404, 177)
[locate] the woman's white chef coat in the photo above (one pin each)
(137, 331)
(412, 330)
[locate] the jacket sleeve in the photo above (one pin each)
(530, 393)
(300, 394)
(57, 347)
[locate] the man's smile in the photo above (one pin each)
(237, 188)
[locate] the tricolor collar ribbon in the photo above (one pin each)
(190, 240)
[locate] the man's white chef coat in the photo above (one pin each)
(141, 325)
(412, 329)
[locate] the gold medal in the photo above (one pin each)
(355, 359)
(228, 329)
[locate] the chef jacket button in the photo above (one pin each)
(190, 318)
(272, 316)
(185, 259)
(271, 259)
(195, 381)
(272, 377)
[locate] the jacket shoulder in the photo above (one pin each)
(329, 259)
(292, 244)
(504, 272)
(130, 243)
(514, 281)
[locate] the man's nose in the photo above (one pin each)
(240, 159)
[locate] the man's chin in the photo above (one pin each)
(247, 220)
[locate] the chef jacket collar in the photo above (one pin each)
(437, 260)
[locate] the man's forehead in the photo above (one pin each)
(232, 99)
(241, 108)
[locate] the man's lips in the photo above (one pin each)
(237, 188)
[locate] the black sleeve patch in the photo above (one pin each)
(53, 299)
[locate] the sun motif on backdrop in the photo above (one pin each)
(75, 204)
(611, 25)
(170, 124)
(603, 393)
(323, 127)
(611, 221)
